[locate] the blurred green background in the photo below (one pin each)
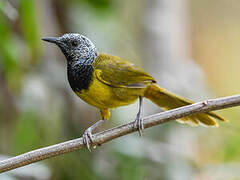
(190, 47)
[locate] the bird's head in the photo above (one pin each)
(75, 47)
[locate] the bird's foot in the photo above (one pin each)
(138, 123)
(87, 138)
(87, 135)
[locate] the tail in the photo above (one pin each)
(168, 100)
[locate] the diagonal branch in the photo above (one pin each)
(110, 134)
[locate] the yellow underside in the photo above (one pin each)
(104, 96)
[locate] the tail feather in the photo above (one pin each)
(168, 100)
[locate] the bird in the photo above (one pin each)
(106, 81)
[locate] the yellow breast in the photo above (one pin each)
(102, 96)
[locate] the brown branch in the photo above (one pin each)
(105, 136)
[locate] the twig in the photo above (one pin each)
(105, 136)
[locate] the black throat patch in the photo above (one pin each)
(79, 76)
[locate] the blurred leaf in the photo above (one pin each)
(8, 56)
(100, 5)
(27, 132)
(231, 149)
(2, 4)
(29, 26)
(76, 165)
(133, 169)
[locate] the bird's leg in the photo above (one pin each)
(87, 135)
(138, 123)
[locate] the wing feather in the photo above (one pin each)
(117, 72)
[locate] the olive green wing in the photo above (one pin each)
(117, 72)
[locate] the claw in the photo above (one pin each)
(138, 123)
(87, 135)
(87, 138)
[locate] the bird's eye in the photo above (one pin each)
(74, 43)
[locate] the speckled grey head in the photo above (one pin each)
(75, 47)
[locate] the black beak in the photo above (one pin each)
(54, 40)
